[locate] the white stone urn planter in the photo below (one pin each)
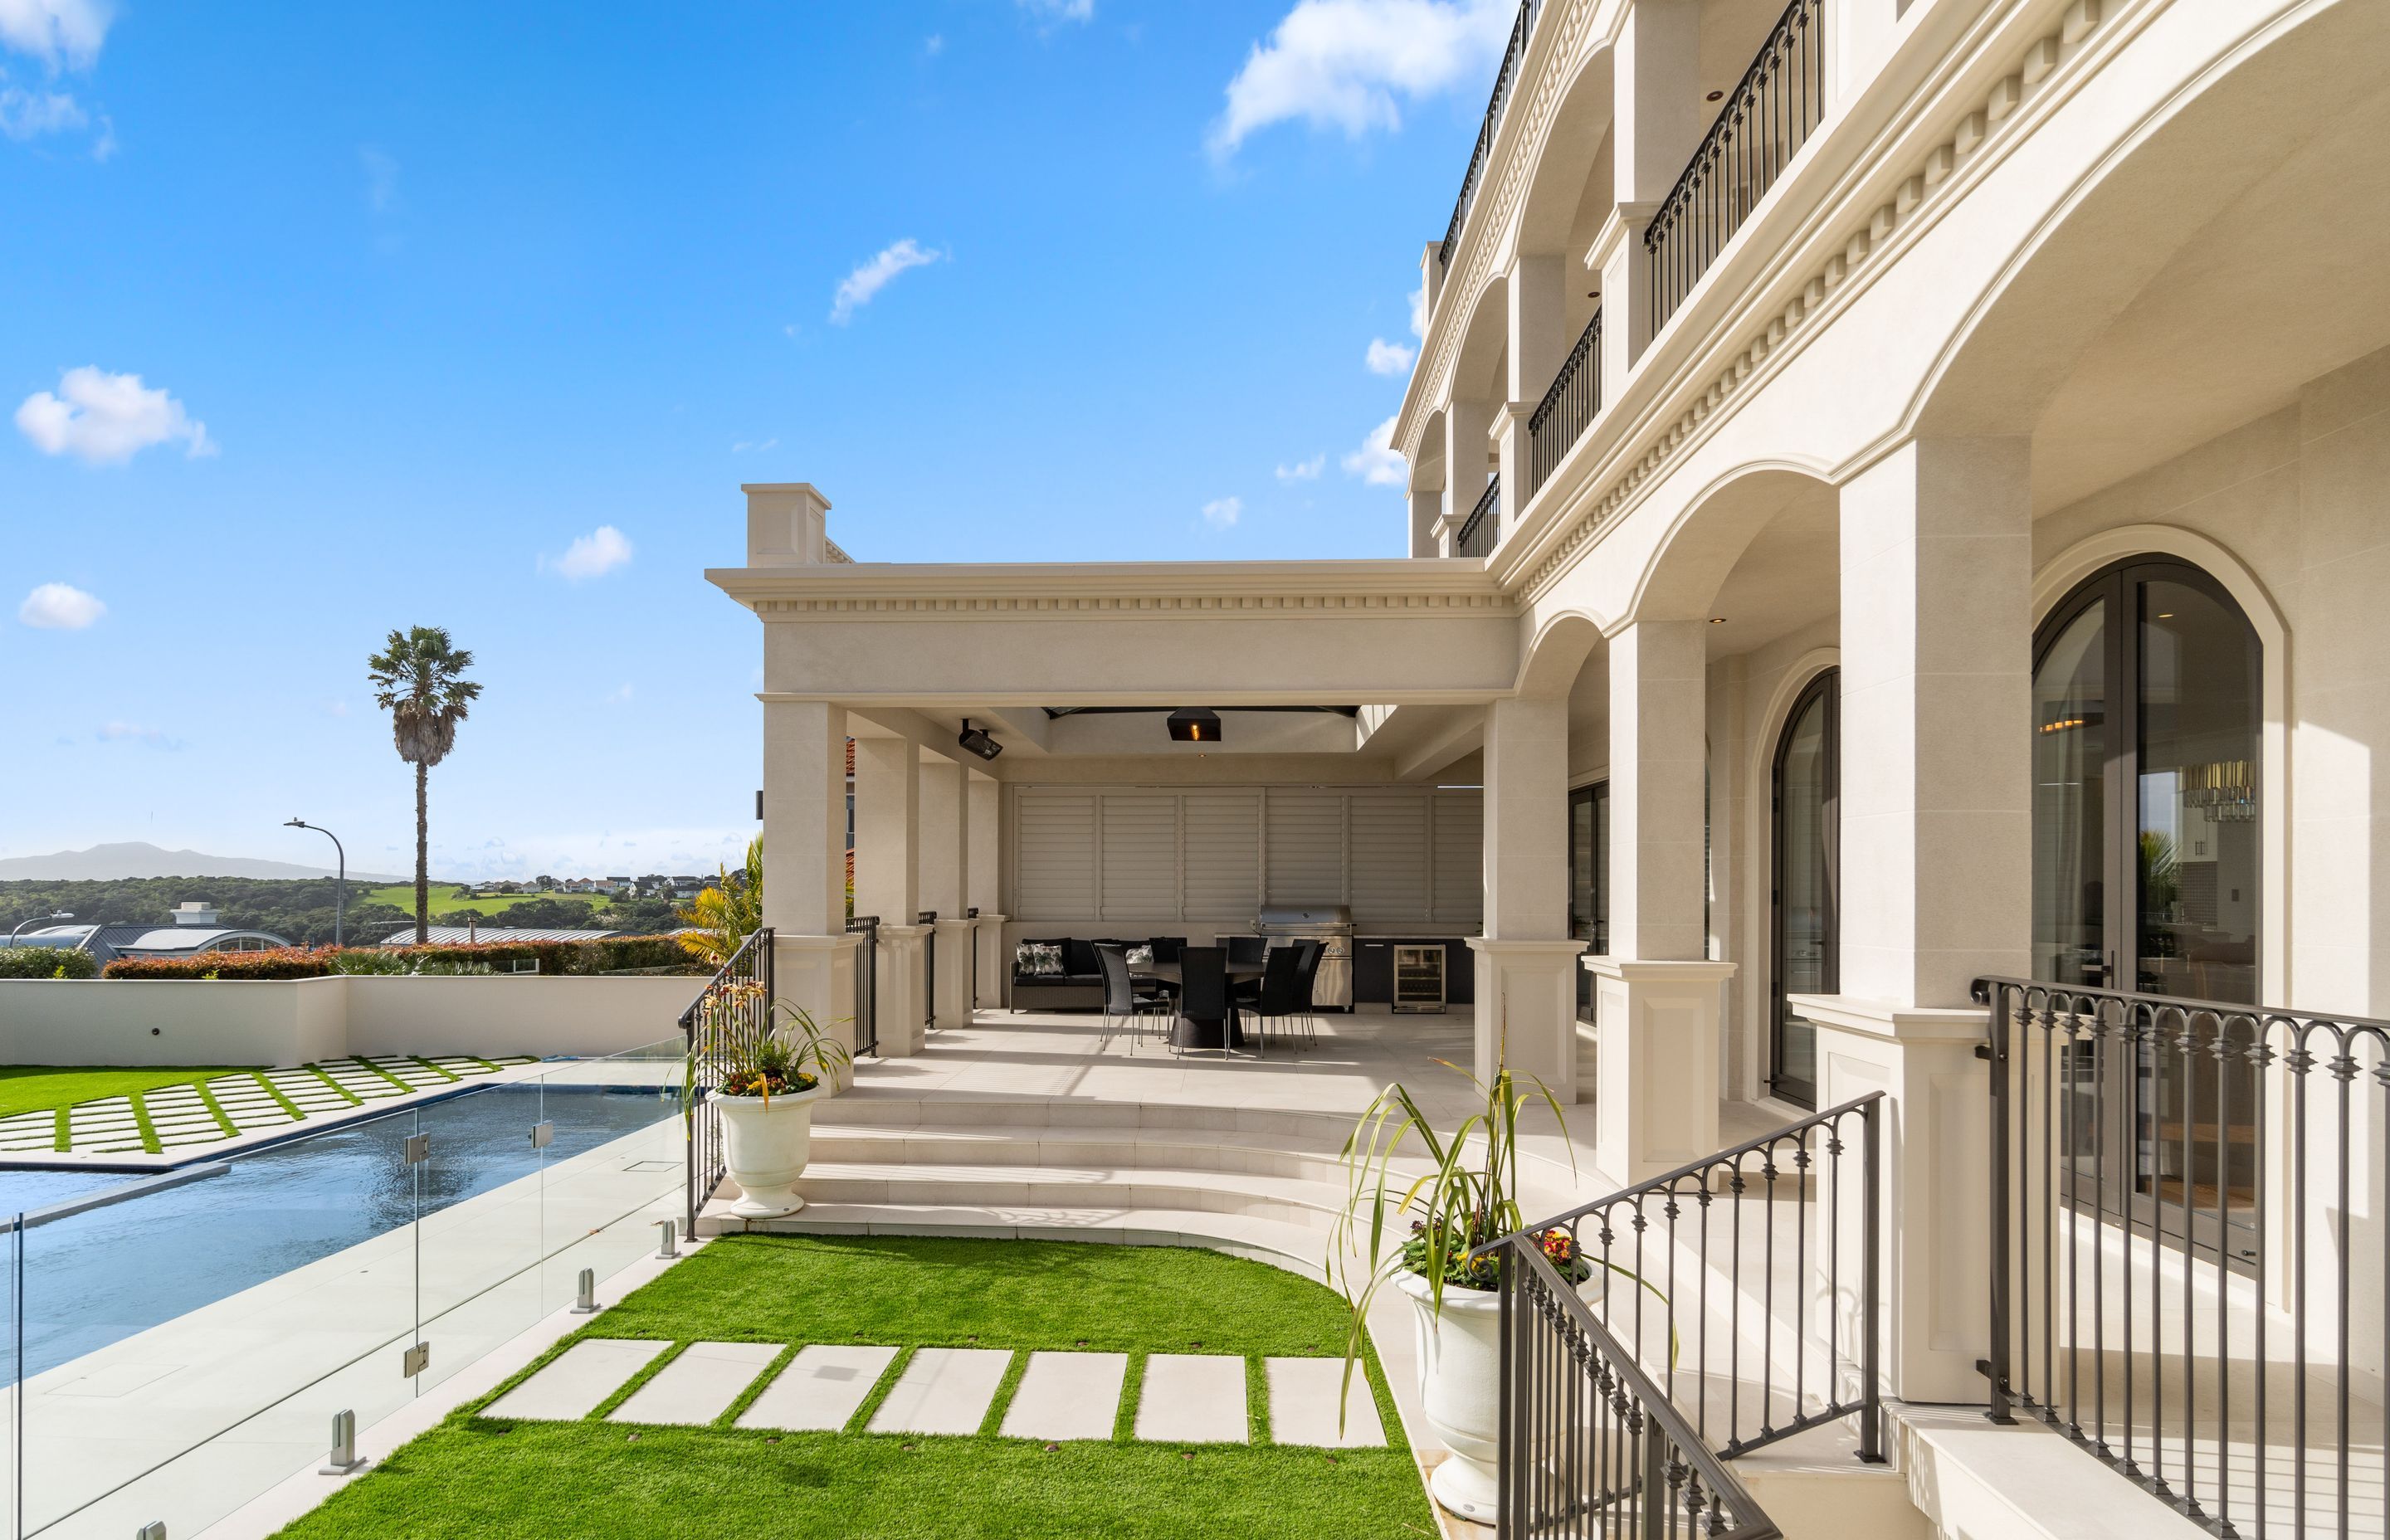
(1460, 1383)
(765, 1143)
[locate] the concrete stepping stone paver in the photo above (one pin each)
(572, 1387)
(1067, 1396)
(942, 1391)
(821, 1390)
(1193, 1398)
(698, 1386)
(1302, 1393)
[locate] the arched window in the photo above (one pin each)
(1805, 882)
(2146, 727)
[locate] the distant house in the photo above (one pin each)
(195, 929)
(466, 935)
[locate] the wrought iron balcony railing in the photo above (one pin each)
(1766, 120)
(1520, 31)
(1475, 536)
(1567, 407)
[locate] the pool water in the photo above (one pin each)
(100, 1276)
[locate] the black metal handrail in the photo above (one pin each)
(1589, 1445)
(1521, 31)
(1764, 122)
(1567, 409)
(1744, 1382)
(733, 1009)
(867, 984)
(928, 921)
(1475, 536)
(2149, 1151)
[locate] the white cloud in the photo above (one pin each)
(934, 44)
(131, 732)
(1386, 357)
(1340, 63)
(55, 31)
(618, 696)
(1305, 470)
(58, 607)
(29, 114)
(107, 418)
(1060, 10)
(868, 279)
(1376, 462)
(594, 554)
(1223, 512)
(749, 446)
(1419, 308)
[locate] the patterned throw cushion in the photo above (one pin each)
(1139, 956)
(1035, 958)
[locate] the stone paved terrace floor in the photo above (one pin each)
(189, 1118)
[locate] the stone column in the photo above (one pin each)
(1537, 310)
(945, 867)
(1427, 511)
(887, 834)
(1656, 996)
(1616, 259)
(1937, 866)
(805, 861)
(1526, 982)
(1657, 122)
(984, 798)
(1468, 428)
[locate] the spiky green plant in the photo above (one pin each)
(727, 914)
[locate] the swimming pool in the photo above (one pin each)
(97, 1277)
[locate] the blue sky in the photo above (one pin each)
(324, 320)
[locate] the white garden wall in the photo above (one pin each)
(127, 1021)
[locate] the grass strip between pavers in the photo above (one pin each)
(756, 1387)
(62, 1137)
(1001, 1401)
(451, 1076)
(362, 1062)
(1132, 1391)
(630, 1387)
(861, 1420)
(149, 1139)
(279, 1099)
(318, 1071)
(1257, 1421)
(215, 1109)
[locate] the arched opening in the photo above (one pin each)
(2147, 746)
(1804, 881)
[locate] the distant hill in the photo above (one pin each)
(130, 859)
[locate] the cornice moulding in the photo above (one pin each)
(1406, 585)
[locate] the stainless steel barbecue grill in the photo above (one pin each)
(1331, 926)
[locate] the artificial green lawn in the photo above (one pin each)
(36, 1087)
(477, 1477)
(400, 895)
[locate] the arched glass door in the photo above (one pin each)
(1807, 882)
(2148, 728)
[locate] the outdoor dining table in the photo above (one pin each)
(1200, 1036)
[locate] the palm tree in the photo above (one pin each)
(419, 678)
(728, 913)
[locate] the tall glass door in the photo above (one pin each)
(2147, 742)
(1806, 880)
(1589, 881)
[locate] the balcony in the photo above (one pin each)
(1567, 409)
(1521, 31)
(1766, 120)
(1475, 537)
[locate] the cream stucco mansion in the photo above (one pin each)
(1899, 495)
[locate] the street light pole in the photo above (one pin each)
(340, 893)
(23, 923)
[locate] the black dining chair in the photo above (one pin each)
(1283, 997)
(1125, 1006)
(1247, 951)
(1307, 970)
(1207, 1016)
(1166, 948)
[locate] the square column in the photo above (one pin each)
(1936, 720)
(1536, 311)
(1513, 448)
(983, 800)
(1526, 982)
(944, 868)
(804, 851)
(1622, 272)
(1468, 427)
(887, 836)
(1657, 998)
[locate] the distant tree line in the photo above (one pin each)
(299, 910)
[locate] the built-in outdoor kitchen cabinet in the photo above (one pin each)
(1373, 968)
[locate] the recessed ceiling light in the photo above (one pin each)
(1717, 620)
(1714, 97)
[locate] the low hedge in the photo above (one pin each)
(46, 962)
(614, 954)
